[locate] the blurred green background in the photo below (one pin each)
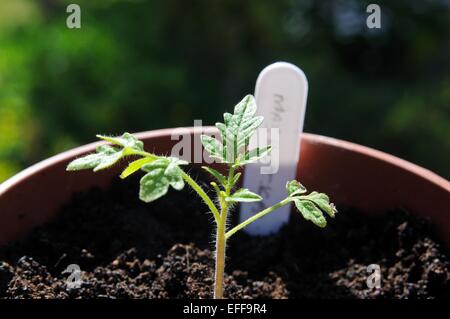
(140, 65)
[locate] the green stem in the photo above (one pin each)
(257, 216)
(208, 201)
(220, 253)
(221, 239)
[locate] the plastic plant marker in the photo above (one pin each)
(281, 94)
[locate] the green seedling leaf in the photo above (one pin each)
(176, 161)
(133, 167)
(243, 195)
(235, 179)
(323, 202)
(105, 157)
(311, 212)
(255, 154)
(216, 174)
(174, 174)
(295, 188)
(162, 173)
(213, 146)
(238, 128)
(127, 140)
(312, 206)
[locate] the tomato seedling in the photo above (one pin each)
(162, 172)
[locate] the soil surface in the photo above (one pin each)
(129, 249)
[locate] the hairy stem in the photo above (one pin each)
(221, 239)
(220, 254)
(208, 201)
(257, 216)
(143, 154)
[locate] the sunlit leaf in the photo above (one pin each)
(243, 195)
(238, 128)
(311, 212)
(213, 146)
(295, 188)
(161, 174)
(311, 206)
(135, 166)
(235, 179)
(255, 154)
(126, 140)
(105, 157)
(216, 174)
(323, 202)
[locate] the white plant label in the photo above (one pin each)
(281, 93)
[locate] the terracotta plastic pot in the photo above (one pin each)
(351, 174)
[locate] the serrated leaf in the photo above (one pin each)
(173, 174)
(213, 146)
(162, 173)
(295, 188)
(310, 212)
(135, 166)
(255, 154)
(312, 206)
(127, 140)
(235, 179)
(238, 128)
(105, 156)
(108, 161)
(153, 185)
(323, 202)
(243, 195)
(217, 175)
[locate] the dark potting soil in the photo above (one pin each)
(129, 249)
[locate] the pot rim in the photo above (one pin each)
(353, 175)
(313, 138)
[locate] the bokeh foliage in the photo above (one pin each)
(140, 65)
